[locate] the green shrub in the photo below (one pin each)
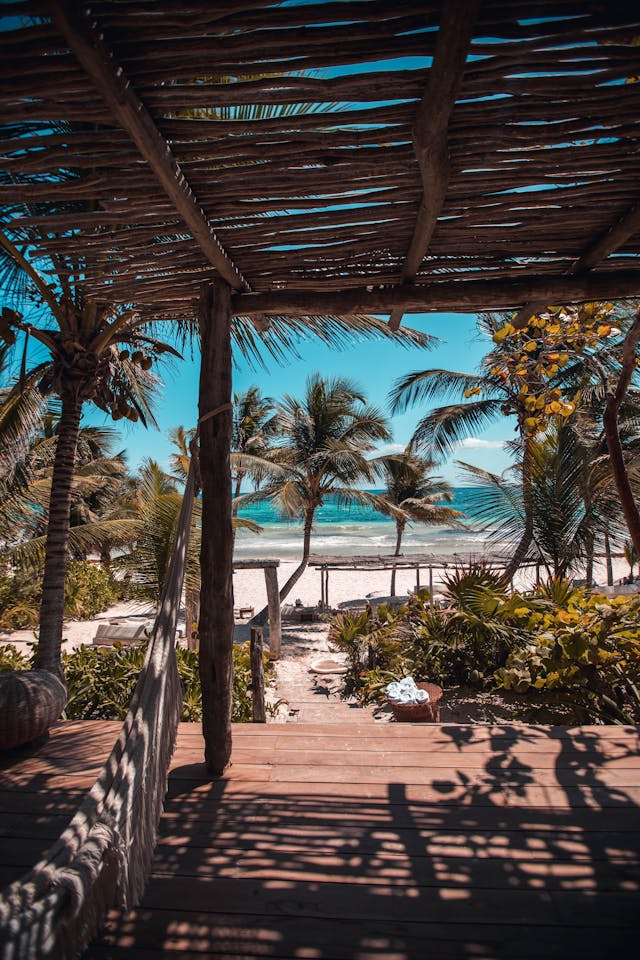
(12, 659)
(579, 648)
(101, 682)
(590, 649)
(19, 602)
(89, 589)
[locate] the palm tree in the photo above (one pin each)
(25, 493)
(480, 399)
(411, 487)
(254, 426)
(565, 522)
(324, 438)
(96, 352)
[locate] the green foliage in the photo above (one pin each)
(88, 590)
(12, 659)
(19, 602)
(582, 649)
(101, 680)
(589, 648)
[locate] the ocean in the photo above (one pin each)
(354, 531)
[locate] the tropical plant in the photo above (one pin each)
(25, 489)
(599, 341)
(101, 680)
(480, 398)
(589, 648)
(557, 647)
(157, 506)
(324, 437)
(254, 427)
(571, 506)
(95, 352)
(411, 487)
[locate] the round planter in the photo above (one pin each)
(30, 702)
(426, 712)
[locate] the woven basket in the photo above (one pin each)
(30, 702)
(427, 712)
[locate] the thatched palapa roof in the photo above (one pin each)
(329, 157)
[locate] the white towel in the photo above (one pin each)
(406, 691)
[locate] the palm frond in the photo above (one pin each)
(422, 386)
(439, 433)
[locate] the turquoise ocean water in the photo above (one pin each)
(357, 531)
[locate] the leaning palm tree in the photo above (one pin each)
(96, 353)
(411, 487)
(324, 438)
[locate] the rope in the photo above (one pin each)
(214, 412)
(56, 908)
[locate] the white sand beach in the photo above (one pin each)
(250, 591)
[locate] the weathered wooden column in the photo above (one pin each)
(216, 554)
(273, 604)
(256, 652)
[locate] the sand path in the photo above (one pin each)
(309, 696)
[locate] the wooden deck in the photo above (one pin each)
(367, 842)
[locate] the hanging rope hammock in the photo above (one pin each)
(105, 853)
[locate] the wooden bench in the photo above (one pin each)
(241, 613)
(125, 633)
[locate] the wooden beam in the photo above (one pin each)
(273, 605)
(431, 140)
(601, 248)
(457, 296)
(216, 552)
(256, 653)
(87, 44)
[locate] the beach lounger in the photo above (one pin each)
(125, 633)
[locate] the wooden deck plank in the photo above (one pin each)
(373, 842)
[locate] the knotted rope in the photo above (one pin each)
(106, 850)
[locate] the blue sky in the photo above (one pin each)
(373, 365)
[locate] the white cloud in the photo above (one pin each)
(477, 443)
(388, 448)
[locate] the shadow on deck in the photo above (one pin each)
(386, 842)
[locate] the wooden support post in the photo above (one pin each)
(273, 605)
(216, 554)
(431, 582)
(192, 616)
(326, 588)
(257, 675)
(418, 578)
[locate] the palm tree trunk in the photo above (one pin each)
(236, 494)
(306, 550)
(57, 541)
(589, 566)
(399, 532)
(607, 553)
(216, 555)
(234, 505)
(527, 534)
(261, 617)
(612, 434)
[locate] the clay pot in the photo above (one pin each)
(30, 702)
